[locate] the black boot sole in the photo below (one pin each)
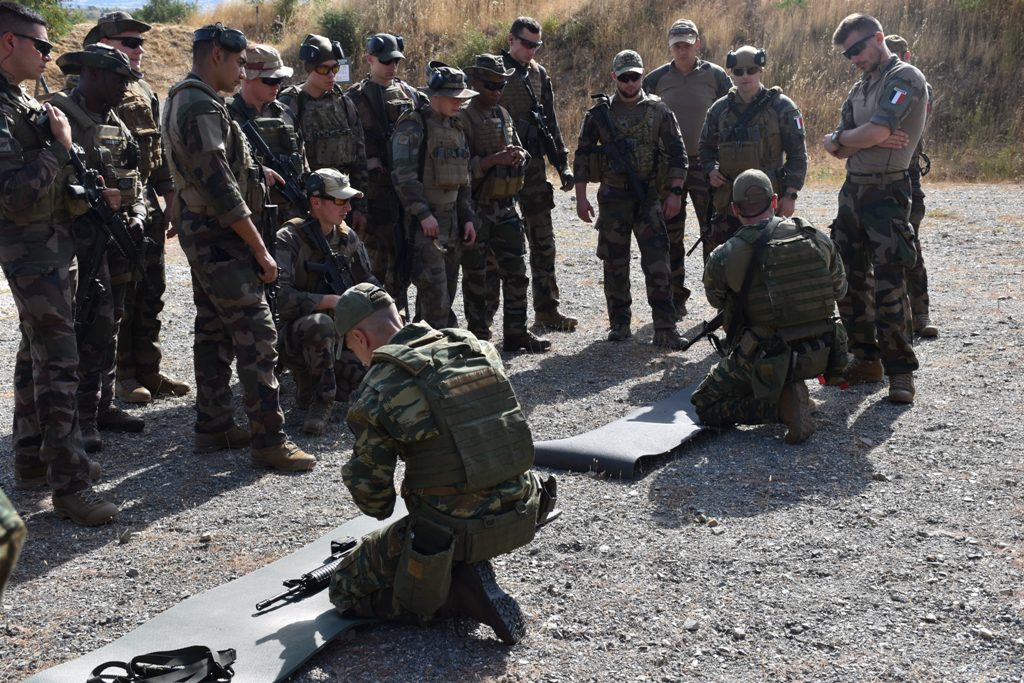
(503, 613)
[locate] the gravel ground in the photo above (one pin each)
(888, 547)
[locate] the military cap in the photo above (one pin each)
(357, 304)
(330, 182)
(752, 186)
(113, 24)
(263, 61)
(627, 60)
(385, 46)
(447, 81)
(897, 44)
(98, 56)
(489, 65)
(683, 31)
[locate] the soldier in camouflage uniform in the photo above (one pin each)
(917, 275)
(777, 280)
(537, 198)
(468, 486)
(326, 119)
(36, 249)
(12, 535)
(688, 86)
(217, 182)
(139, 378)
(381, 98)
(305, 300)
(431, 177)
(751, 127)
(498, 259)
(644, 129)
(882, 121)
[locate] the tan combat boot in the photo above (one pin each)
(235, 437)
(795, 412)
(860, 371)
(316, 419)
(556, 321)
(923, 326)
(286, 457)
(668, 339)
(901, 388)
(525, 341)
(164, 385)
(131, 391)
(35, 475)
(84, 507)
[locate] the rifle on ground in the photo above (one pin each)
(293, 188)
(334, 268)
(708, 329)
(618, 149)
(551, 151)
(314, 581)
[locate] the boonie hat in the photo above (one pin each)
(627, 60)
(358, 303)
(330, 182)
(489, 65)
(752, 186)
(113, 24)
(447, 81)
(384, 47)
(263, 61)
(897, 43)
(683, 31)
(98, 56)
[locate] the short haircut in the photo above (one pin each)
(524, 22)
(17, 18)
(202, 50)
(856, 23)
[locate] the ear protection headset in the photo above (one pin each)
(375, 44)
(760, 59)
(439, 73)
(231, 39)
(311, 52)
(315, 185)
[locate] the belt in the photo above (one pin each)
(877, 178)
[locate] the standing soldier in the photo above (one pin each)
(620, 143)
(326, 119)
(882, 121)
(530, 100)
(431, 178)
(36, 249)
(917, 275)
(496, 160)
(319, 257)
(139, 378)
(381, 98)
(753, 127)
(217, 181)
(110, 149)
(688, 86)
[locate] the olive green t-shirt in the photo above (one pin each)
(689, 96)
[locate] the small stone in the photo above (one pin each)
(604, 549)
(930, 618)
(717, 531)
(879, 476)
(866, 441)
(132, 573)
(206, 538)
(124, 537)
(712, 522)
(985, 634)
(738, 633)
(691, 625)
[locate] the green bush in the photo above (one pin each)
(166, 11)
(286, 9)
(59, 19)
(341, 25)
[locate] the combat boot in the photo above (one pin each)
(317, 418)
(619, 333)
(668, 339)
(285, 456)
(85, 507)
(901, 388)
(860, 371)
(235, 437)
(483, 334)
(131, 391)
(31, 476)
(475, 593)
(526, 341)
(923, 326)
(91, 441)
(114, 419)
(164, 385)
(556, 321)
(795, 412)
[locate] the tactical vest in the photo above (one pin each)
(483, 437)
(136, 112)
(637, 128)
(757, 144)
(444, 157)
(492, 133)
(516, 100)
(397, 98)
(331, 142)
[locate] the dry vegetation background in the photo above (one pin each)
(970, 50)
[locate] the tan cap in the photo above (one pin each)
(683, 31)
(98, 56)
(627, 60)
(752, 186)
(357, 304)
(263, 61)
(897, 44)
(113, 24)
(330, 182)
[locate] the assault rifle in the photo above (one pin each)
(293, 188)
(618, 150)
(334, 268)
(551, 151)
(708, 329)
(314, 581)
(709, 214)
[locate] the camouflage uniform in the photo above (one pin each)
(651, 129)
(437, 184)
(772, 140)
(391, 419)
(917, 274)
(537, 198)
(217, 181)
(872, 229)
(308, 341)
(36, 249)
(12, 535)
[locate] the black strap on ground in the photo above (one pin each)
(195, 664)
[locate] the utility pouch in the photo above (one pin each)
(495, 535)
(770, 370)
(837, 357)
(811, 358)
(424, 575)
(903, 239)
(736, 157)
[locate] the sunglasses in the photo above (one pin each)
(323, 69)
(336, 200)
(857, 47)
(494, 85)
(271, 82)
(42, 46)
(130, 42)
(628, 77)
(529, 44)
(389, 62)
(749, 71)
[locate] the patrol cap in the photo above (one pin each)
(385, 47)
(752, 186)
(447, 81)
(98, 56)
(263, 61)
(627, 60)
(897, 44)
(357, 304)
(683, 31)
(748, 55)
(113, 24)
(330, 182)
(489, 65)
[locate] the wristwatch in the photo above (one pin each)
(835, 138)
(791, 195)
(676, 191)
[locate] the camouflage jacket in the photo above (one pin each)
(517, 101)
(379, 110)
(300, 290)
(140, 111)
(388, 411)
(280, 135)
(483, 140)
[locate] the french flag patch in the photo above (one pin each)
(799, 121)
(898, 96)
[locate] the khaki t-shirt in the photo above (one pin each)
(690, 96)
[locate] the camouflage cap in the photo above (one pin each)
(752, 186)
(683, 31)
(897, 44)
(263, 61)
(489, 65)
(330, 182)
(627, 60)
(98, 56)
(358, 303)
(384, 47)
(447, 81)
(113, 24)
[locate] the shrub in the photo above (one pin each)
(166, 11)
(341, 25)
(59, 19)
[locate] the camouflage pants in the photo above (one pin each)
(379, 241)
(696, 185)
(498, 259)
(917, 275)
(138, 340)
(726, 396)
(536, 200)
(309, 344)
(435, 270)
(876, 243)
(617, 219)
(97, 335)
(232, 321)
(363, 585)
(12, 535)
